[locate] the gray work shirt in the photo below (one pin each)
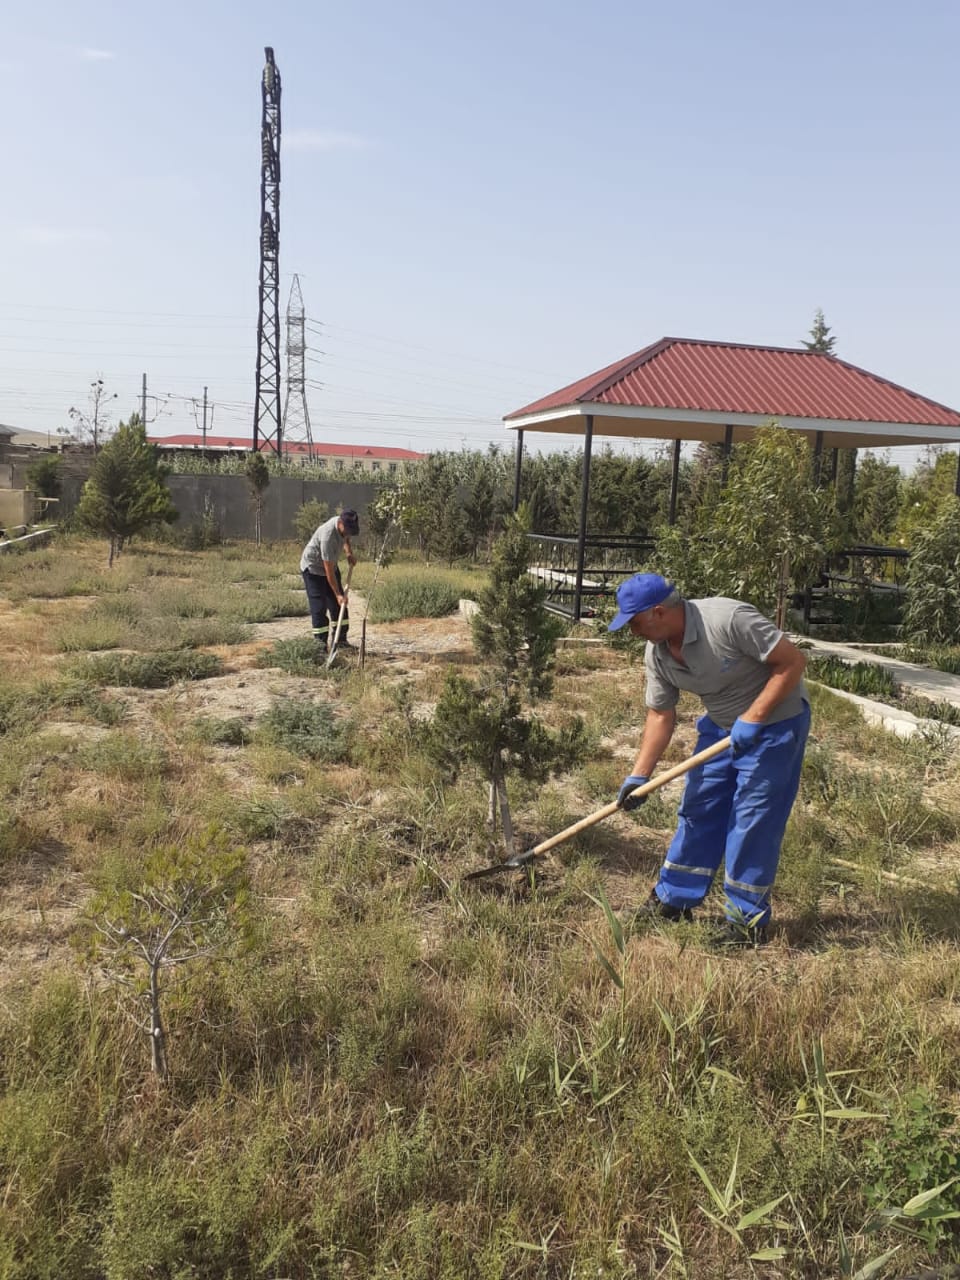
(326, 543)
(725, 647)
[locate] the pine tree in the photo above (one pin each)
(125, 492)
(485, 722)
(820, 335)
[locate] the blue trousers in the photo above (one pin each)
(735, 810)
(324, 609)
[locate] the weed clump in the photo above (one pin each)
(305, 728)
(299, 657)
(420, 597)
(147, 670)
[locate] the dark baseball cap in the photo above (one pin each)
(641, 592)
(351, 522)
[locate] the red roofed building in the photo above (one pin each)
(336, 457)
(689, 389)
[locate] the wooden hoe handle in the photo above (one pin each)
(654, 784)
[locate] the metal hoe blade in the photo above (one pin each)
(517, 863)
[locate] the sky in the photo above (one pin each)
(482, 202)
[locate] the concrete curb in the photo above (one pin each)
(38, 538)
(939, 686)
(902, 723)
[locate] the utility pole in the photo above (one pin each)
(296, 414)
(267, 427)
(204, 421)
(143, 401)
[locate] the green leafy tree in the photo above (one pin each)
(487, 722)
(126, 490)
(876, 500)
(932, 612)
(258, 478)
(309, 516)
(44, 477)
(433, 508)
(189, 902)
(704, 487)
(922, 494)
(481, 507)
(767, 534)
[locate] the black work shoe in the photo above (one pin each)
(739, 933)
(655, 909)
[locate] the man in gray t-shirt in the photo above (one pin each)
(735, 807)
(321, 575)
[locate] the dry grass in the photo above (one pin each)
(407, 1075)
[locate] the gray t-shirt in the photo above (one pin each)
(725, 647)
(326, 543)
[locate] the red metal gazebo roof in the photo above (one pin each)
(703, 382)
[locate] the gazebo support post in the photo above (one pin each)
(956, 487)
(817, 458)
(727, 446)
(517, 465)
(834, 468)
(582, 532)
(675, 481)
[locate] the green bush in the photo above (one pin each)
(305, 728)
(308, 517)
(147, 670)
(44, 478)
(300, 657)
(946, 658)
(420, 597)
(918, 1152)
(217, 732)
(864, 678)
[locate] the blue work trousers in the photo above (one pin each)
(324, 609)
(735, 810)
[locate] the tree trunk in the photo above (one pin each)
(783, 590)
(492, 807)
(113, 552)
(158, 1045)
(505, 817)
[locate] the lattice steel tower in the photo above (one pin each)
(296, 413)
(266, 412)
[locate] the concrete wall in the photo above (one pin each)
(228, 500)
(17, 506)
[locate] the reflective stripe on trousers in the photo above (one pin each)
(324, 609)
(735, 810)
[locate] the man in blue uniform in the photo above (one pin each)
(735, 807)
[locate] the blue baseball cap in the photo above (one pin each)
(642, 591)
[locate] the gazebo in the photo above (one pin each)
(722, 392)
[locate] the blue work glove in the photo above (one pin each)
(744, 736)
(625, 798)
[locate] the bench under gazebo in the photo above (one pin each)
(683, 389)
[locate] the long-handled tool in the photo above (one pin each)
(521, 860)
(343, 610)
